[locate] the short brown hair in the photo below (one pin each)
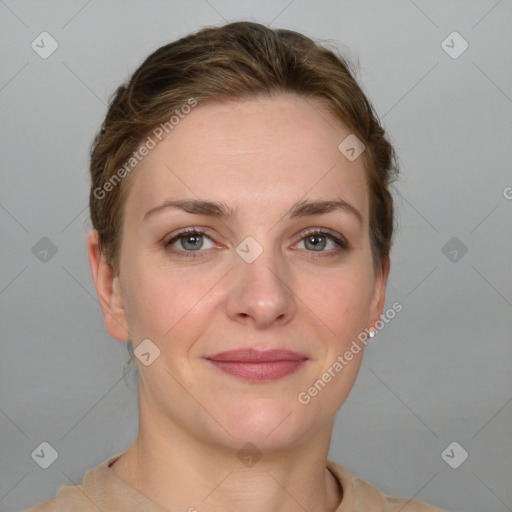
(234, 61)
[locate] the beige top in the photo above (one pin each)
(103, 490)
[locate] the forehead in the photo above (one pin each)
(251, 153)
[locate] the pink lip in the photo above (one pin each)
(254, 365)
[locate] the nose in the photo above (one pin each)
(261, 292)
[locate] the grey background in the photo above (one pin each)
(439, 372)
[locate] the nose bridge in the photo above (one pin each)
(261, 290)
(266, 271)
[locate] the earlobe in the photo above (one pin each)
(108, 290)
(379, 296)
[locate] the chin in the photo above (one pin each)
(269, 424)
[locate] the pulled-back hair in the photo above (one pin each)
(235, 61)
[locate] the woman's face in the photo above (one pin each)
(252, 278)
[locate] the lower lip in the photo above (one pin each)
(259, 372)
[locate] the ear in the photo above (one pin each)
(379, 293)
(108, 290)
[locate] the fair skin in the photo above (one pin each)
(259, 157)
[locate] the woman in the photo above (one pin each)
(242, 229)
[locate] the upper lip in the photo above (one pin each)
(250, 355)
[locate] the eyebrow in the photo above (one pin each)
(219, 209)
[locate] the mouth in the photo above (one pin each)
(258, 366)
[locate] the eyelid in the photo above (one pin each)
(184, 231)
(203, 231)
(338, 239)
(323, 231)
(341, 246)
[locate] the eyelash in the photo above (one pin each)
(340, 242)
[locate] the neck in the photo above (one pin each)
(176, 470)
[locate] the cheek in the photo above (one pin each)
(340, 300)
(164, 301)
